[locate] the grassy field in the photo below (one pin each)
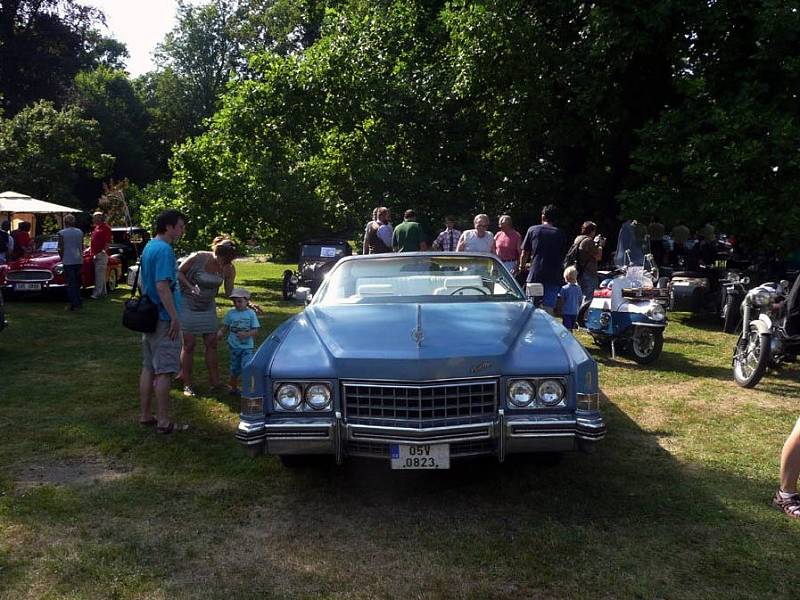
(675, 503)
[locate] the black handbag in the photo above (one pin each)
(140, 314)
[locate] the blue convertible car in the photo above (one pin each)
(418, 359)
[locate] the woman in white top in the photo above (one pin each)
(479, 239)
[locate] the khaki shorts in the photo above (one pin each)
(159, 353)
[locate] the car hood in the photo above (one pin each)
(379, 341)
(36, 260)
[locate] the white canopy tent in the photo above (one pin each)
(18, 207)
(14, 202)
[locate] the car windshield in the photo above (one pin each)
(435, 278)
(331, 250)
(47, 243)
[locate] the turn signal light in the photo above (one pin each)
(252, 405)
(588, 401)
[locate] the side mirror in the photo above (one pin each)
(534, 290)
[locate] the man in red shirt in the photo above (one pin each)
(101, 238)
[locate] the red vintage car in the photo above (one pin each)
(42, 270)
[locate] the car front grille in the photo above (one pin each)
(421, 405)
(29, 275)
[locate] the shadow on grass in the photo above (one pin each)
(629, 506)
(669, 361)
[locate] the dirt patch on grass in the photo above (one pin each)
(88, 470)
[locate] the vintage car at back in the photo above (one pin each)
(127, 243)
(317, 257)
(417, 359)
(42, 270)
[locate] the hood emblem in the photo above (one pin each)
(417, 334)
(481, 366)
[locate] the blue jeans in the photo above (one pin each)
(73, 275)
(588, 285)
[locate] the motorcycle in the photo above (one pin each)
(733, 289)
(770, 334)
(628, 309)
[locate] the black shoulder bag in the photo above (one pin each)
(140, 314)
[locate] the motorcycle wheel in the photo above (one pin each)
(751, 358)
(646, 344)
(730, 315)
(288, 288)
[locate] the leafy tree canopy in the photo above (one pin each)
(45, 148)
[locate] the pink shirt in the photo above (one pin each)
(507, 245)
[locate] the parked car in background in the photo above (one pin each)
(417, 359)
(317, 257)
(127, 243)
(42, 270)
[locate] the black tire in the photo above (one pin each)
(646, 344)
(288, 288)
(751, 357)
(254, 451)
(582, 311)
(298, 461)
(730, 314)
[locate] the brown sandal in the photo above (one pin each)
(790, 505)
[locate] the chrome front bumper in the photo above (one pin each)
(506, 434)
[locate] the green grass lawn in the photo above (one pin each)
(674, 504)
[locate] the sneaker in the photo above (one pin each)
(188, 391)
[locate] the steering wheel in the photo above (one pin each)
(469, 287)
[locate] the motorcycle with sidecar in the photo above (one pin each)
(627, 311)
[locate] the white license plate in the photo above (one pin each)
(420, 456)
(28, 287)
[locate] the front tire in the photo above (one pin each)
(288, 287)
(646, 344)
(730, 315)
(582, 312)
(751, 358)
(111, 282)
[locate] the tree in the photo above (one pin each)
(107, 97)
(44, 44)
(44, 148)
(726, 153)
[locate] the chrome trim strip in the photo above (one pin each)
(501, 438)
(339, 442)
(355, 382)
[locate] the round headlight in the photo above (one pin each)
(520, 393)
(289, 396)
(550, 392)
(318, 396)
(58, 269)
(656, 312)
(762, 297)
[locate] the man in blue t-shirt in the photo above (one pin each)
(161, 349)
(545, 245)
